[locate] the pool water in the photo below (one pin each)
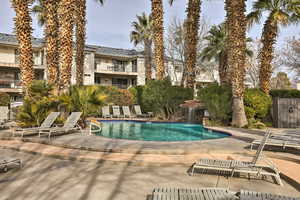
(157, 131)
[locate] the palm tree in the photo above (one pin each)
(191, 39)
(237, 24)
(158, 36)
(47, 15)
(216, 49)
(80, 38)
(66, 11)
(280, 12)
(142, 33)
(23, 32)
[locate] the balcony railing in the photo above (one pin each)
(121, 86)
(7, 83)
(116, 68)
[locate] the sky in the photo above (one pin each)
(110, 24)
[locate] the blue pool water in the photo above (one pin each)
(157, 131)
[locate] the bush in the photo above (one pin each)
(257, 104)
(116, 96)
(162, 98)
(4, 99)
(218, 101)
(285, 93)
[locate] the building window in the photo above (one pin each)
(178, 68)
(134, 66)
(97, 80)
(17, 56)
(120, 83)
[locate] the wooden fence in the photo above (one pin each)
(286, 112)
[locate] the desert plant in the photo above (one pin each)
(293, 93)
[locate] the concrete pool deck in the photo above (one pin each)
(96, 148)
(47, 178)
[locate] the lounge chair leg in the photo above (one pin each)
(278, 179)
(193, 168)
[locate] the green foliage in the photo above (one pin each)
(218, 101)
(257, 104)
(85, 99)
(160, 97)
(4, 99)
(116, 96)
(285, 93)
(38, 105)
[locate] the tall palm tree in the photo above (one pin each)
(216, 48)
(66, 11)
(158, 36)
(80, 38)
(280, 12)
(23, 32)
(46, 12)
(191, 39)
(142, 34)
(237, 25)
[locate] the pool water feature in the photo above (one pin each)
(157, 131)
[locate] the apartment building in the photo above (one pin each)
(122, 68)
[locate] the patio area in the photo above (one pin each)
(46, 178)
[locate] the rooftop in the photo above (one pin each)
(10, 39)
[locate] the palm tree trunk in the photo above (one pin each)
(224, 72)
(148, 59)
(23, 32)
(236, 21)
(269, 36)
(66, 14)
(158, 35)
(191, 40)
(51, 32)
(80, 39)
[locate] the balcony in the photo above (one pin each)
(117, 70)
(16, 65)
(7, 85)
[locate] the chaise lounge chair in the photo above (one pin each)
(47, 123)
(116, 112)
(127, 112)
(235, 166)
(283, 141)
(106, 112)
(197, 194)
(138, 112)
(6, 164)
(71, 124)
(213, 194)
(249, 195)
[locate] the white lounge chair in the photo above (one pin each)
(106, 112)
(138, 112)
(197, 194)
(250, 195)
(235, 166)
(116, 112)
(7, 163)
(47, 123)
(71, 124)
(127, 112)
(283, 140)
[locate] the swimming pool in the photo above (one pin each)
(157, 131)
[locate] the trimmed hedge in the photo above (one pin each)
(285, 93)
(257, 104)
(218, 100)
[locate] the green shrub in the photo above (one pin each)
(218, 101)
(160, 97)
(4, 99)
(293, 93)
(257, 104)
(116, 96)
(255, 124)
